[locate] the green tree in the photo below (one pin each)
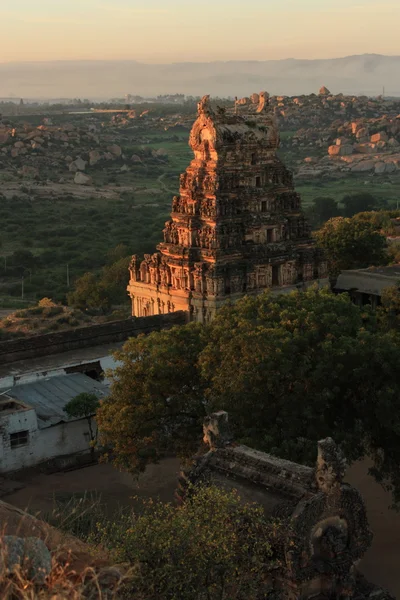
(351, 244)
(323, 208)
(114, 280)
(290, 369)
(389, 311)
(157, 399)
(115, 254)
(23, 259)
(394, 252)
(356, 203)
(84, 406)
(89, 293)
(213, 547)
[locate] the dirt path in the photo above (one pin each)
(116, 489)
(160, 180)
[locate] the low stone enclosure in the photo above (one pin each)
(325, 526)
(325, 529)
(86, 337)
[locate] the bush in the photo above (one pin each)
(36, 310)
(52, 311)
(213, 546)
(21, 314)
(46, 302)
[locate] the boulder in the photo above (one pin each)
(82, 179)
(159, 153)
(342, 141)
(135, 158)
(363, 166)
(19, 145)
(255, 98)
(324, 91)
(346, 150)
(393, 143)
(15, 152)
(339, 150)
(28, 171)
(380, 168)
(30, 555)
(390, 167)
(364, 148)
(16, 522)
(355, 127)
(77, 165)
(379, 137)
(94, 157)
(63, 137)
(31, 135)
(115, 150)
(362, 133)
(334, 150)
(124, 169)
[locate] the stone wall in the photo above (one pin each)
(85, 337)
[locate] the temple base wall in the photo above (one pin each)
(149, 300)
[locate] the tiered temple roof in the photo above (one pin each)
(236, 227)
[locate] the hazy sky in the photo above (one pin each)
(186, 30)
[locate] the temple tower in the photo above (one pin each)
(236, 227)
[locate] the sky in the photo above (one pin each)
(163, 31)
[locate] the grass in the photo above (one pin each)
(385, 188)
(76, 573)
(77, 232)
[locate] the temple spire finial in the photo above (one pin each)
(204, 106)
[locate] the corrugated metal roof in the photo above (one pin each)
(49, 396)
(368, 281)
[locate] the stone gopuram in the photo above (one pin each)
(236, 227)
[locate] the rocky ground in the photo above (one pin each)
(83, 157)
(43, 319)
(336, 135)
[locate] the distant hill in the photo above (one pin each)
(363, 74)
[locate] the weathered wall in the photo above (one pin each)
(43, 444)
(85, 337)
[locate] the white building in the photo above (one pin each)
(33, 425)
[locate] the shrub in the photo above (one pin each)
(213, 546)
(46, 302)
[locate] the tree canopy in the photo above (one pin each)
(356, 203)
(322, 209)
(351, 244)
(84, 405)
(108, 288)
(289, 369)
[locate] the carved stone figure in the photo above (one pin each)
(325, 529)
